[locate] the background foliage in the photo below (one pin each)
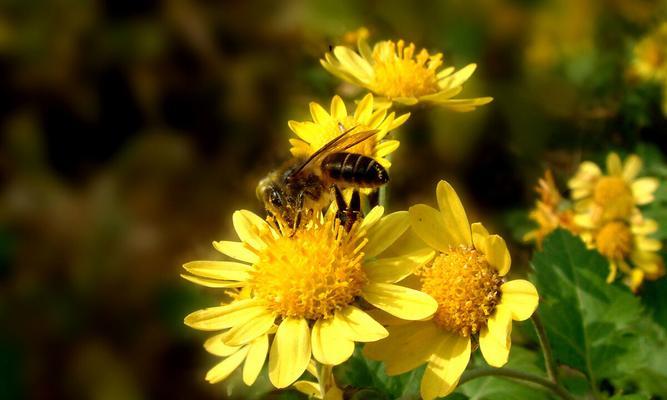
(132, 130)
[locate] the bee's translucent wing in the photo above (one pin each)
(340, 143)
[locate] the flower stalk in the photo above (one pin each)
(549, 362)
(517, 375)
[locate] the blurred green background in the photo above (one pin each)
(131, 130)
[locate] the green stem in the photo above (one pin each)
(518, 375)
(549, 361)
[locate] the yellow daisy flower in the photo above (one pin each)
(325, 126)
(301, 288)
(549, 213)
(392, 70)
(625, 243)
(475, 304)
(612, 196)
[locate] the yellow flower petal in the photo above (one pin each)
(216, 346)
(248, 226)
(453, 212)
(614, 165)
(236, 250)
(520, 297)
(647, 244)
(644, 227)
(445, 367)
(429, 226)
(400, 301)
(319, 114)
(391, 270)
(358, 326)
(494, 339)
(300, 149)
(354, 64)
(445, 72)
(330, 347)
(257, 351)
(222, 270)
(643, 190)
(223, 317)
(464, 105)
(377, 118)
(585, 221)
(364, 109)
(636, 279)
(633, 164)
(372, 217)
(290, 352)
(479, 236)
(412, 350)
(588, 172)
(497, 254)
(221, 371)
(458, 78)
(398, 121)
(580, 193)
(338, 109)
(310, 132)
(386, 147)
(649, 262)
(384, 233)
(212, 283)
(444, 95)
(250, 330)
(613, 271)
(310, 389)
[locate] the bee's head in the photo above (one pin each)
(275, 200)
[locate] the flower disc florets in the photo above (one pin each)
(312, 273)
(466, 288)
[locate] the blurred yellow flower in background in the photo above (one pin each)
(399, 74)
(302, 286)
(549, 212)
(616, 195)
(625, 243)
(474, 302)
(650, 55)
(650, 60)
(325, 126)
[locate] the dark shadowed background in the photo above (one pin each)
(131, 130)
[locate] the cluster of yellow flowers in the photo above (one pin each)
(604, 212)
(303, 296)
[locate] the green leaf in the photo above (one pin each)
(654, 299)
(362, 373)
(495, 388)
(648, 378)
(591, 324)
(630, 397)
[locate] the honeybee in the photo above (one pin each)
(303, 186)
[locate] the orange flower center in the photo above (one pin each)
(313, 273)
(466, 288)
(614, 196)
(614, 240)
(399, 73)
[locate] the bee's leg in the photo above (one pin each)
(354, 209)
(374, 198)
(299, 213)
(341, 205)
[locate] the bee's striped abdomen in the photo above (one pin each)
(354, 169)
